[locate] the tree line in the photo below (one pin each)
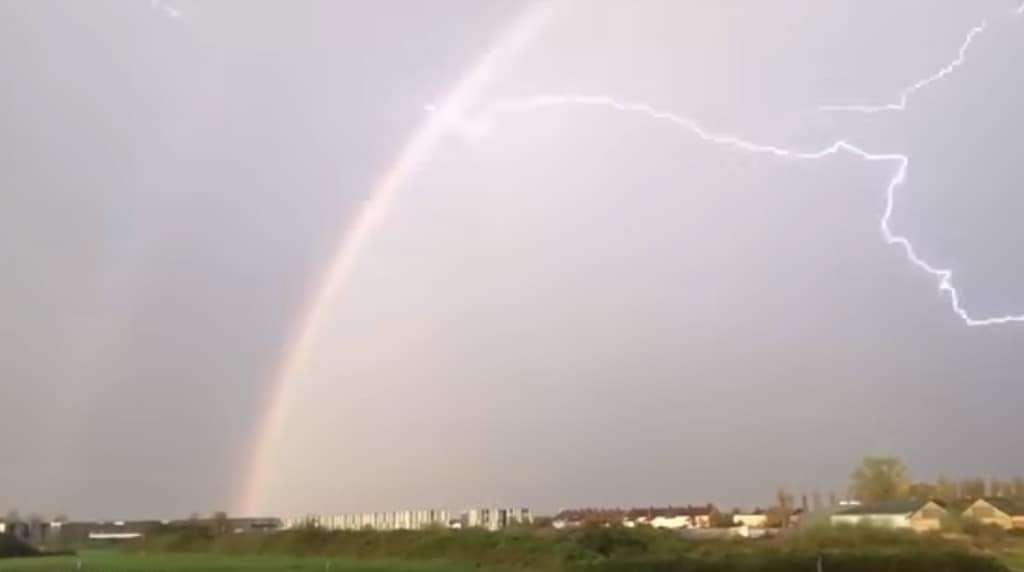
(879, 479)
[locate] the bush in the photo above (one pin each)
(11, 547)
(792, 561)
(605, 549)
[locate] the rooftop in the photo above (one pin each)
(900, 506)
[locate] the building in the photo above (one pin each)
(911, 514)
(394, 520)
(756, 518)
(671, 517)
(496, 518)
(574, 517)
(34, 532)
(18, 529)
(1005, 513)
(489, 518)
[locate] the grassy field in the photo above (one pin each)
(1013, 558)
(120, 562)
(589, 549)
(117, 562)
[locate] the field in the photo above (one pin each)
(119, 562)
(589, 549)
(1013, 558)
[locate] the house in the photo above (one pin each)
(588, 516)
(34, 532)
(911, 514)
(796, 516)
(120, 530)
(18, 529)
(1002, 512)
(756, 518)
(670, 517)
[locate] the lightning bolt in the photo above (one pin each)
(908, 91)
(901, 162)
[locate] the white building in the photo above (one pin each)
(674, 518)
(916, 515)
(394, 520)
(755, 519)
(496, 518)
(489, 518)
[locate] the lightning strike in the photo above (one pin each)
(908, 91)
(901, 162)
(943, 276)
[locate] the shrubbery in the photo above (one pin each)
(11, 547)
(604, 549)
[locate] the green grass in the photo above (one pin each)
(588, 549)
(1014, 559)
(117, 562)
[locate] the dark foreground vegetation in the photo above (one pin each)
(11, 547)
(599, 549)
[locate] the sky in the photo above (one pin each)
(570, 306)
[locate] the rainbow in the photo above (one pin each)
(415, 153)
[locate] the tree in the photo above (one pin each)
(995, 488)
(1018, 487)
(833, 499)
(945, 489)
(12, 516)
(803, 502)
(219, 523)
(879, 479)
(784, 506)
(972, 488)
(816, 504)
(720, 519)
(922, 491)
(1001, 488)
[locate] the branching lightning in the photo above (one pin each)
(900, 162)
(909, 90)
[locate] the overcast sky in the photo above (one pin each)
(579, 307)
